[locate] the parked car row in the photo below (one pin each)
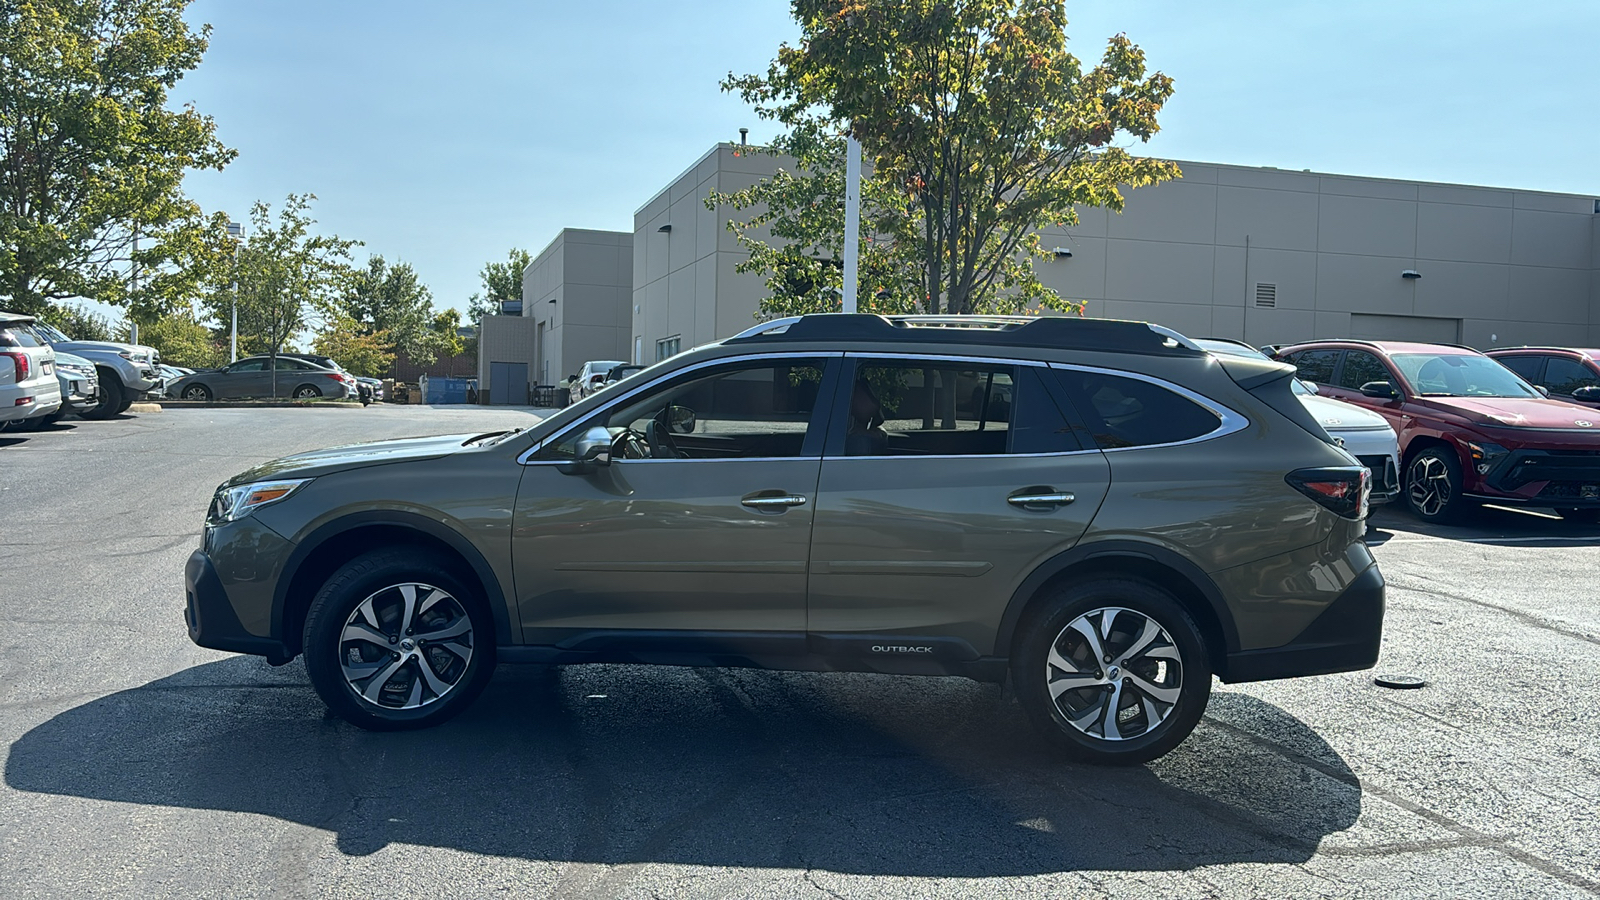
(1516, 426)
(301, 376)
(95, 379)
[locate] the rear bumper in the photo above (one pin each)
(211, 618)
(1344, 638)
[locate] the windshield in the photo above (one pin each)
(50, 333)
(1460, 375)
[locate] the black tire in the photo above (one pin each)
(307, 392)
(127, 401)
(198, 393)
(110, 400)
(382, 576)
(1585, 516)
(1432, 487)
(1177, 667)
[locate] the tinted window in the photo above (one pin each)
(1526, 366)
(1315, 366)
(1129, 412)
(248, 365)
(1361, 367)
(939, 408)
(1563, 376)
(738, 412)
(17, 336)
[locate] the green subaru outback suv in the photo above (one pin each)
(1100, 512)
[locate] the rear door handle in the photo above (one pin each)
(1040, 501)
(773, 502)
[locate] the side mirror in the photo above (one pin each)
(679, 419)
(1312, 387)
(1380, 390)
(592, 451)
(1589, 394)
(1545, 392)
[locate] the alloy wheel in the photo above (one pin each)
(1114, 673)
(1428, 485)
(196, 392)
(406, 646)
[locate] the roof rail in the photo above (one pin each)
(1064, 332)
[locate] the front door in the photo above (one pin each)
(699, 523)
(950, 481)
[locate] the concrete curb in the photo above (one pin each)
(145, 407)
(249, 404)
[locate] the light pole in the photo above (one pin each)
(852, 218)
(236, 234)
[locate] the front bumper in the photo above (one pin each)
(1344, 638)
(1558, 478)
(211, 617)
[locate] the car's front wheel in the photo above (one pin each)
(196, 392)
(1433, 486)
(1113, 671)
(394, 640)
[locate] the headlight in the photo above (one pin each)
(231, 504)
(1485, 455)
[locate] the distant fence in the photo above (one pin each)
(460, 365)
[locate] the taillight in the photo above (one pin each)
(1342, 489)
(334, 375)
(23, 364)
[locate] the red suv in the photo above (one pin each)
(1568, 374)
(1470, 430)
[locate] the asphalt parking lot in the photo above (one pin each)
(138, 764)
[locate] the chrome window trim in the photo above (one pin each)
(1229, 421)
(526, 457)
(922, 456)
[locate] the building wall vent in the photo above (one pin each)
(1266, 295)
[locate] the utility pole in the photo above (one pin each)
(133, 276)
(852, 218)
(236, 233)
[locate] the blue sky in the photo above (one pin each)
(444, 134)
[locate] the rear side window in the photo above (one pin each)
(1563, 376)
(1360, 368)
(1315, 366)
(1525, 366)
(1130, 412)
(18, 337)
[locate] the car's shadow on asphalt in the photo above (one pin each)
(631, 764)
(1485, 525)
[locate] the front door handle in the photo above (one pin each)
(1040, 500)
(773, 502)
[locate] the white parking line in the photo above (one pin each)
(1428, 538)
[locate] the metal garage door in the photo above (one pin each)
(1368, 327)
(508, 383)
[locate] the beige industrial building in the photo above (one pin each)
(1260, 254)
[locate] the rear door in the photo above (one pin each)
(945, 482)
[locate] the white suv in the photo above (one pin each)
(28, 386)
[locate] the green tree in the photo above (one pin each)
(289, 278)
(360, 351)
(502, 281)
(92, 157)
(182, 340)
(391, 300)
(976, 121)
(78, 322)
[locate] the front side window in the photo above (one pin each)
(1131, 412)
(248, 365)
(1563, 375)
(1459, 375)
(1315, 366)
(1526, 366)
(1361, 367)
(753, 410)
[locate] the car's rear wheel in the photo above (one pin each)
(394, 641)
(1586, 516)
(197, 392)
(1433, 486)
(1113, 671)
(110, 399)
(307, 392)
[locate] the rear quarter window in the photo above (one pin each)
(1120, 411)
